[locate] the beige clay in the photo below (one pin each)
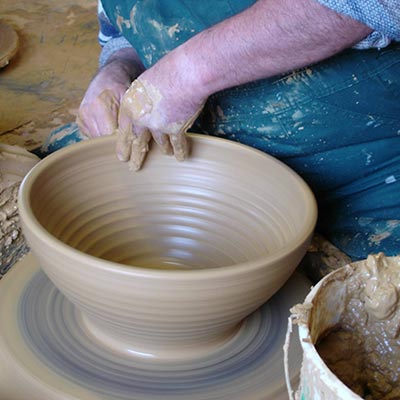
(364, 349)
(15, 162)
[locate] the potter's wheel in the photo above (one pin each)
(46, 354)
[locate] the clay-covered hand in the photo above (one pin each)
(98, 111)
(157, 105)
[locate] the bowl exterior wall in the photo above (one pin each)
(135, 307)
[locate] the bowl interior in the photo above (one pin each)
(226, 204)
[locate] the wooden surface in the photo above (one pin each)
(42, 86)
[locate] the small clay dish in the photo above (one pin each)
(166, 262)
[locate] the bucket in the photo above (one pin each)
(323, 310)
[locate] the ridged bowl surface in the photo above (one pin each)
(166, 262)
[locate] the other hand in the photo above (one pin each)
(98, 111)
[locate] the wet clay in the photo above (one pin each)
(141, 103)
(363, 350)
(141, 111)
(15, 162)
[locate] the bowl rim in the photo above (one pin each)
(28, 218)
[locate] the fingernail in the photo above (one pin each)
(120, 156)
(133, 166)
(138, 156)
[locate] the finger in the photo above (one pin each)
(140, 147)
(163, 142)
(124, 134)
(84, 123)
(178, 140)
(107, 120)
(179, 145)
(107, 126)
(82, 126)
(100, 117)
(123, 144)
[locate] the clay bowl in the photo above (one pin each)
(166, 262)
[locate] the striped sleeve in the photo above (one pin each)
(109, 37)
(383, 16)
(106, 29)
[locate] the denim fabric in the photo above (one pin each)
(107, 30)
(155, 27)
(337, 124)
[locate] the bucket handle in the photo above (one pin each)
(286, 345)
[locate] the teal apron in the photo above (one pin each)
(336, 123)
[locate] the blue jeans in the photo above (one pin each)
(336, 123)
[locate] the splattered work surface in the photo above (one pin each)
(42, 86)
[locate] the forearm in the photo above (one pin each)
(269, 38)
(124, 61)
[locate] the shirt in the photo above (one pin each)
(381, 15)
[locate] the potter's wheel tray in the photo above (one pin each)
(45, 353)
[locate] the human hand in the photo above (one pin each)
(98, 111)
(158, 105)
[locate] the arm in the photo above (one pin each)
(269, 38)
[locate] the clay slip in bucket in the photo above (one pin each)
(360, 300)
